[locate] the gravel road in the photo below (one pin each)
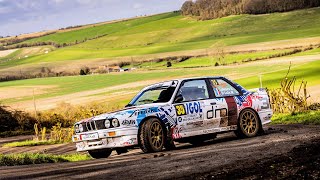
(284, 151)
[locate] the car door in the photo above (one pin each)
(190, 109)
(226, 107)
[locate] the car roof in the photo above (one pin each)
(203, 77)
(191, 78)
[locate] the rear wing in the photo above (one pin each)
(259, 91)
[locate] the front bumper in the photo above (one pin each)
(103, 139)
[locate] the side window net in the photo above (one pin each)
(194, 90)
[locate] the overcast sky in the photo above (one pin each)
(25, 16)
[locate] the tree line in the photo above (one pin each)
(211, 9)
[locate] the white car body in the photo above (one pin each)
(182, 120)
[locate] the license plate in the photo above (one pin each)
(89, 136)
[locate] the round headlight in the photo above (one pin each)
(76, 128)
(107, 123)
(80, 127)
(115, 123)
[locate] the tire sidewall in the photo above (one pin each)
(242, 132)
(150, 123)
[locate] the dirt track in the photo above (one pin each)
(284, 151)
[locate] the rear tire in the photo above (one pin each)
(249, 124)
(152, 136)
(101, 153)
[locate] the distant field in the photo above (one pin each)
(172, 32)
(24, 53)
(211, 60)
(90, 88)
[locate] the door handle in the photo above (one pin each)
(213, 103)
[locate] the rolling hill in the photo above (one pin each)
(170, 33)
(251, 45)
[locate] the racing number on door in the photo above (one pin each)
(180, 110)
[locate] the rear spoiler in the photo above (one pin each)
(259, 91)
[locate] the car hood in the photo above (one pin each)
(116, 114)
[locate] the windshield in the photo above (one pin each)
(153, 95)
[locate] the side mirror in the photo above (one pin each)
(179, 98)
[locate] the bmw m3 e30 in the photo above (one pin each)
(185, 110)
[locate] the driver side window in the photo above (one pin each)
(194, 90)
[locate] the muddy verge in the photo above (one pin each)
(302, 162)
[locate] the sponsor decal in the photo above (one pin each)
(130, 142)
(232, 111)
(176, 132)
(143, 111)
(193, 107)
(195, 124)
(167, 114)
(214, 113)
(190, 117)
(128, 122)
(188, 108)
(180, 110)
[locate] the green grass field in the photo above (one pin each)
(172, 32)
(310, 118)
(30, 143)
(211, 60)
(272, 74)
(39, 158)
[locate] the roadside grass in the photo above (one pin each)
(172, 32)
(39, 158)
(30, 143)
(307, 118)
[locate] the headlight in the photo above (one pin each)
(107, 123)
(80, 127)
(76, 128)
(115, 123)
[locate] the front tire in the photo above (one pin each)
(101, 153)
(249, 124)
(152, 136)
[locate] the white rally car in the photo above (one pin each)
(185, 110)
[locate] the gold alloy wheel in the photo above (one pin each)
(156, 135)
(249, 122)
